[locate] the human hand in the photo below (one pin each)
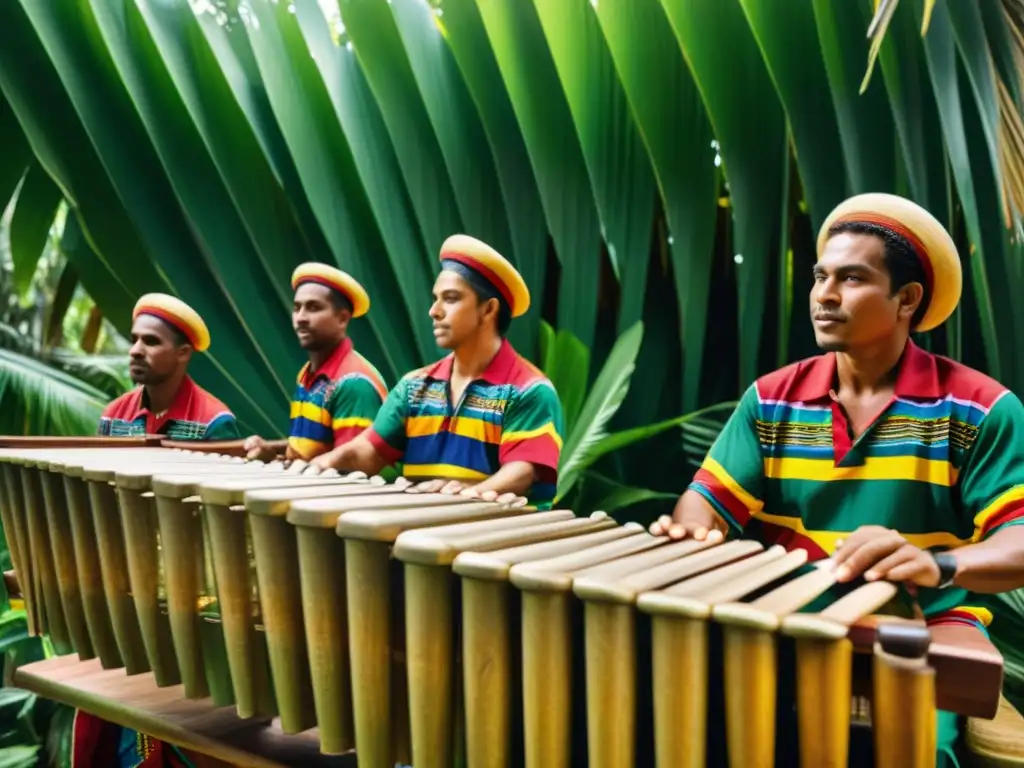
(696, 528)
(882, 553)
(255, 448)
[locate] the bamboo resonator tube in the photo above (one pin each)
(438, 630)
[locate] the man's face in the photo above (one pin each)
(317, 323)
(851, 305)
(457, 313)
(155, 354)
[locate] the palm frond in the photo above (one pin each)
(38, 399)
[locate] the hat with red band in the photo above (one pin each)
(177, 313)
(334, 278)
(492, 267)
(929, 239)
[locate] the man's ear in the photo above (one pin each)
(185, 353)
(344, 317)
(911, 296)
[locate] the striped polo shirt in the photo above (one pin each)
(194, 414)
(942, 464)
(334, 403)
(511, 413)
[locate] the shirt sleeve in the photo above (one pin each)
(992, 477)
(731, 477)
(223, 427)
(532, 430)
(352, 406)
(388, 432)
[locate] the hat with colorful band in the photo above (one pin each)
(929, 239)
(332, 277)
(178, 314)
(492, 267)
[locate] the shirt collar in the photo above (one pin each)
(498, 371)
(331, 365)
(917, 377)
(179, 407)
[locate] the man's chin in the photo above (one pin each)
(831, 344)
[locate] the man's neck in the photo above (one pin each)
(160, 397)
(872, 370)
(473, 357)
(317, 357)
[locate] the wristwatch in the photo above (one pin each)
(947, 568)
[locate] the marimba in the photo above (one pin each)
(421, 627)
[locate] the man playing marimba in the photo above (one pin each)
(338, 392)
(898, 464)
(165, 333)
(482, 421)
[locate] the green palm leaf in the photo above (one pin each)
(37, 399)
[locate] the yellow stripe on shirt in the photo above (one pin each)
(827, 539)
(931, 471)
(476, 429)
(528, 434)
(358, 422)
(447, 471)
(311, 412)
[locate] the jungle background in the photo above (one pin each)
(657, 170)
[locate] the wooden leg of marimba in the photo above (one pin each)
(430, 648)
(62, 543)
(823, 697)
(547, 679)
(611, 683)
(245, 646)
(369, 625)
(42, 555)
(322, 577)
(488, 683)
(903, 708)
(139, 520)
(90, 580)
(679, 662)
(26, 571)
(114, 568)
(277, 570)
(181, 541)
(750, 670)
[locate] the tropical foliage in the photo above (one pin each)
(634, 158)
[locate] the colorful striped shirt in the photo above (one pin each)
(195, 414)
(511, 413)
(335, 403)
(942, 464)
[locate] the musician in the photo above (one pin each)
(897, 463)
(482, 421)
(338, 391)
(165, 333)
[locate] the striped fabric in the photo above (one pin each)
(334, 404)
(940, 464)
(195, 414)
(511, 413)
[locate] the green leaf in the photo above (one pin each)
(58, 309)
(605, 397)
(527, 69)
(648, 62)
(19, 757)
(567, 365)
(34, 211)
(382, 182)
(467, 39)
(37, 399)
(750, 127)
(620, 173)
(324, 159)
(628, 496)
(787, 36)
(16, 155)
(864, 119)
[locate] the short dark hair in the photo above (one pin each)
(339, 300)
(901, 260)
